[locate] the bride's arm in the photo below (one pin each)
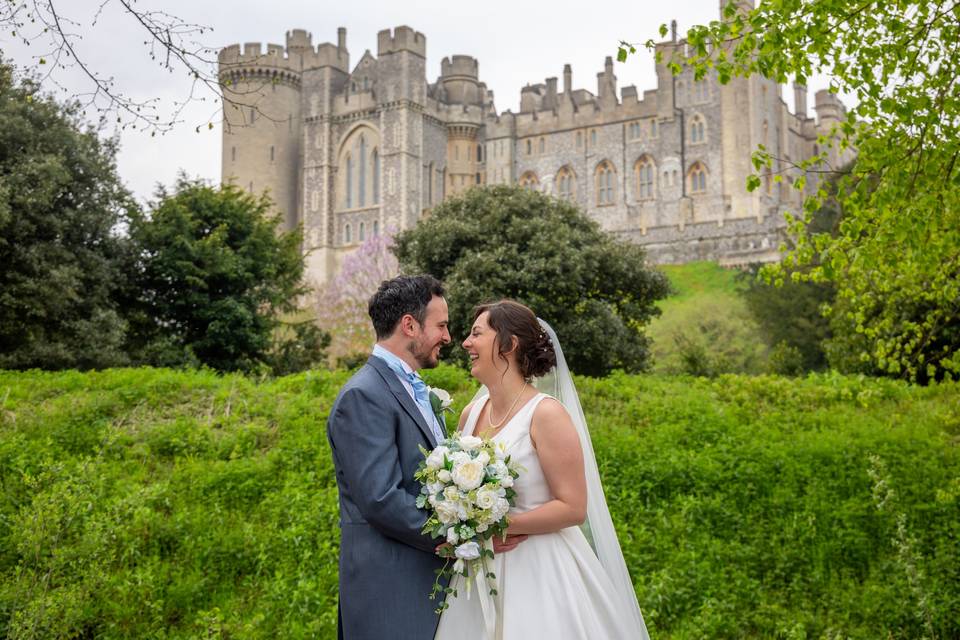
(561, 458)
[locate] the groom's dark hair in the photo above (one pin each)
(401, 296)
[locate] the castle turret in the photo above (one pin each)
(828, 107)
(401, 55)
(261, 124)
(459, 76)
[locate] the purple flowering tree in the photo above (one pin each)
(342, 303)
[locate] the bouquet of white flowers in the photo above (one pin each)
(468, 489)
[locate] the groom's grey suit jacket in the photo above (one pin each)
(386, 565)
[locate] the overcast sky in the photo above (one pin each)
(516, 43)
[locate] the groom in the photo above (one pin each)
(376, 428)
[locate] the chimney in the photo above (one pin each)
(342, 38)
(551, 101)
(567, 79)
(673, 30)
(800, 100)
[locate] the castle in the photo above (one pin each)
(352, 152)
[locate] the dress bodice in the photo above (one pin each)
(531, 487)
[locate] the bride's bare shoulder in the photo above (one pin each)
(465, 415)
(550, 411)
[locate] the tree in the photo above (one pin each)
(342, 304)
(61, 202)
(55, 32)
(499, 241)
(896, 258)
(213, 280)
(791, 314)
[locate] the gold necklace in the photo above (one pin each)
(509, 411)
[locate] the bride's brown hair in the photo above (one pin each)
(509, 319)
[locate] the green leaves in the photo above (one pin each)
(502, 241)
(900, 250)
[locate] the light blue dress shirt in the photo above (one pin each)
(398, 365)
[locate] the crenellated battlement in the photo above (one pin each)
(460, 65)
(298, 55)
(401, 38)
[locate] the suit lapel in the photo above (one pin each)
(393, 382)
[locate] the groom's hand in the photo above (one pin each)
(509, 543)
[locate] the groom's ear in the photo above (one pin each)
(408, 325)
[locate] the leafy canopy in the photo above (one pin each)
(60, 203)
(896, 258)
(501, 241)
(214, 278)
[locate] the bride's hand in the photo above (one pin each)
(508, 543)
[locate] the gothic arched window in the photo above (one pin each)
(697, 129)
(566, 183)
(376, 176)
(644, 171)
(349, 193)
(698, 178)
(363, 172)
(529, 180)
(604, 179)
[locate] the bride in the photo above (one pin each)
(566, 577)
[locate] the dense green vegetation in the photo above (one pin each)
(510, 242)
(164, 504)
(705, 327)
(894, 259)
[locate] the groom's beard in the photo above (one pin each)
(423, 354)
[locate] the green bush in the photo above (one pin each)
(152, 503)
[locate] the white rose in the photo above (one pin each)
(468, 475)
(451, 494)
(469, 443)
(486, 498)
(506, 481)
(446, 512)
(460, 457)
(443, 475)
(500, 508)
(452, 536)
(482, 527)
(468, 551)
(484, 457)
(445, 400)
(435, 459)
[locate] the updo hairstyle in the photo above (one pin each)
(508, 318)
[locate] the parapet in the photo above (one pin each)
(828, 106)
(460, 66)
(298, 54)
(299, 39)
(401, 39)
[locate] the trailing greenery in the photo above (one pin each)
(506, 241)
(171, 504)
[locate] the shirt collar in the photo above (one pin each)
(392, 359)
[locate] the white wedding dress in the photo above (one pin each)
(551, 585)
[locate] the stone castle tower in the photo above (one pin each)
(353, 152)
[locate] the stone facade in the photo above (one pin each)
(348, 153)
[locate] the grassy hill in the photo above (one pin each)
(153, 503)
(705, 317)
